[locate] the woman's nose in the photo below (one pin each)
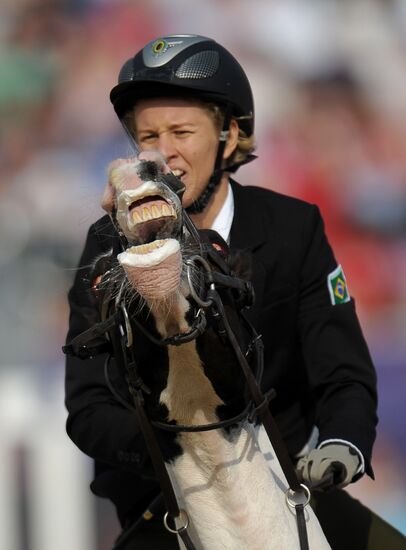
(166, 146)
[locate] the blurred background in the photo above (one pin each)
(329, 80)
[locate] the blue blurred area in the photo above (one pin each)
(329, 80)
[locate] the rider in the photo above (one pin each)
(189, 98)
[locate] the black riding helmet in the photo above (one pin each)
(183, 65)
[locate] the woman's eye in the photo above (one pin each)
(147, 138)
(182, 132)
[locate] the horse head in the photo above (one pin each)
(149, 215)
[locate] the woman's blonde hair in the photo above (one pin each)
(245, 145)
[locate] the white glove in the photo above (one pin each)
(334, 464)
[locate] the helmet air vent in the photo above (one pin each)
(200, 65)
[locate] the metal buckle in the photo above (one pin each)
(289, 495)
(182, 527)
(190, 262)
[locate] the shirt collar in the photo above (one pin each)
(224, 219)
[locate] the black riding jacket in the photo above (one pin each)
(316, 357)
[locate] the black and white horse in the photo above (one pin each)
(228, 480)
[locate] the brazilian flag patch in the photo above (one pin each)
(337, 287)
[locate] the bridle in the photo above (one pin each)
(214, 277)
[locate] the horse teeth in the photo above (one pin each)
(148, 247)
(166, 211)
(146, 214)
(136, 216)
(155, 211)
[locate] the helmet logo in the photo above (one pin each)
(159, 46)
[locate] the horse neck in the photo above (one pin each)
(189, 395)
(212, 471)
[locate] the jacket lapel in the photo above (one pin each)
(248, 234)
(248, 227)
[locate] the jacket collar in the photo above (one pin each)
(248, 228)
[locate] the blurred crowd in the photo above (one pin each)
(329, 81)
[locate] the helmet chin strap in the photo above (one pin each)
(200, 204)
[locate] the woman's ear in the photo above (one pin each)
(232, 139)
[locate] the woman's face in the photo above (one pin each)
(185, 134)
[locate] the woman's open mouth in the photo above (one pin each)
(178, 173)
